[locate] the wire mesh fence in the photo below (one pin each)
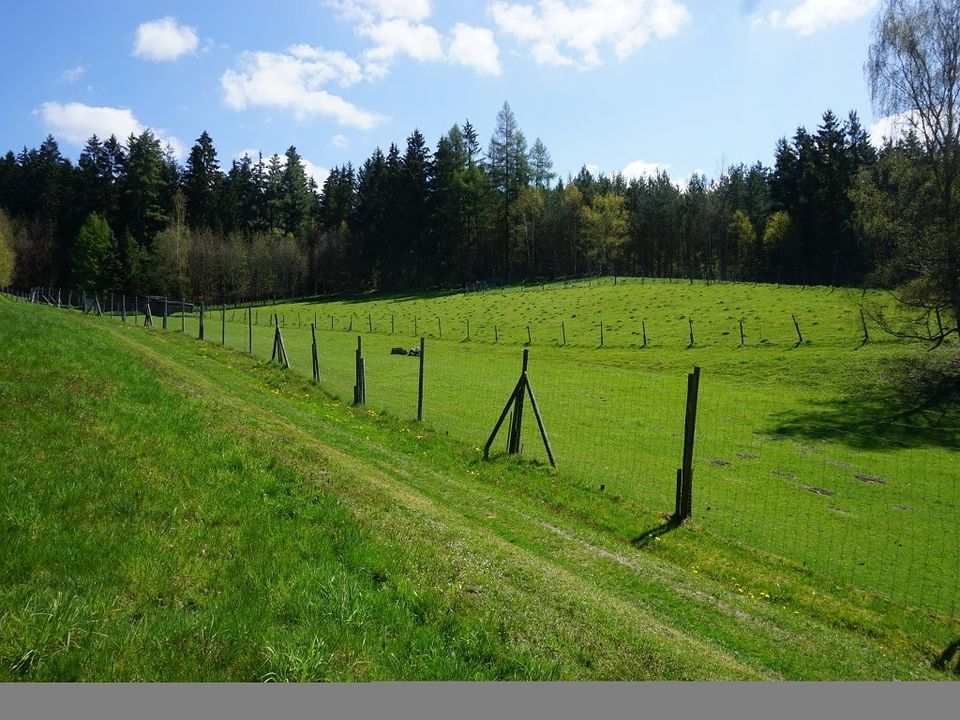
(871, 503)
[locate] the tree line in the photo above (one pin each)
(127, 216)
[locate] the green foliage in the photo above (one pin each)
(780, 237)
(90, 254)
(7, 257)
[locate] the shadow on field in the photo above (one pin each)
(644, 538)
(910, 403)
(943, 662)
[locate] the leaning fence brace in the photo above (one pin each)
(516, 420)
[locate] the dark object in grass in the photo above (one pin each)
(870, 479)
(720, 463)
(398, 351)
(820, 491)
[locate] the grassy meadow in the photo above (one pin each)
(815, 451)
(180, 511)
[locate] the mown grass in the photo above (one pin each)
(820, 452)
(178, 511)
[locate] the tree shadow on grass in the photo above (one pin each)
(915, 403)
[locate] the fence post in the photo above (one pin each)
(223, 323)
(250, 330)
(643, 326)
(166, 312)
(420, 385)
(202, 312)
(689, 433)
(313, 350)
(123, 308)
(359, 389)
(741, 333)
(563, 331)
(797, 326)
(601, 333)
(516, 422)
(866, 335)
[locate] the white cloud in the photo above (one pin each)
(814, 15)
(640, 169)
(164, 39)
(892, 127)
(295, 81)
(560, 32)
(340, 142)
(474, 47)
(72, 75)
(76, 123)
(394, 38)
(371, 11)
(317, 172)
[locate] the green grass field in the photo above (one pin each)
(809, 451)
(175, 510)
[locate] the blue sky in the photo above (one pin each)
(617, 85)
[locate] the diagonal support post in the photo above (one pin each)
(516, 421)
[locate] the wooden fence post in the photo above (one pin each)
(420, 384)
(516, 422)
(797, 326)
(359, 389)
(689, 434)
(202, 313)
(313, 352)
(250, 330)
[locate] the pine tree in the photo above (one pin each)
(201, 184)
(508, 171)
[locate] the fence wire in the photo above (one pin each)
(869, 502)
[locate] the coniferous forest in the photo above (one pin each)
(128, 216)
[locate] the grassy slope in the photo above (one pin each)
(177, 511)
(800, 450)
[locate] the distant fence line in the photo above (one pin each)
(843, 496)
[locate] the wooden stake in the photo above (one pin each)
(689, 434)
(643, 326)
(420, 385)
(313, 353)
(797, 326)
(866, 335)
(742, 342)
(563, 331)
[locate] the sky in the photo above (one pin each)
(631, 86)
